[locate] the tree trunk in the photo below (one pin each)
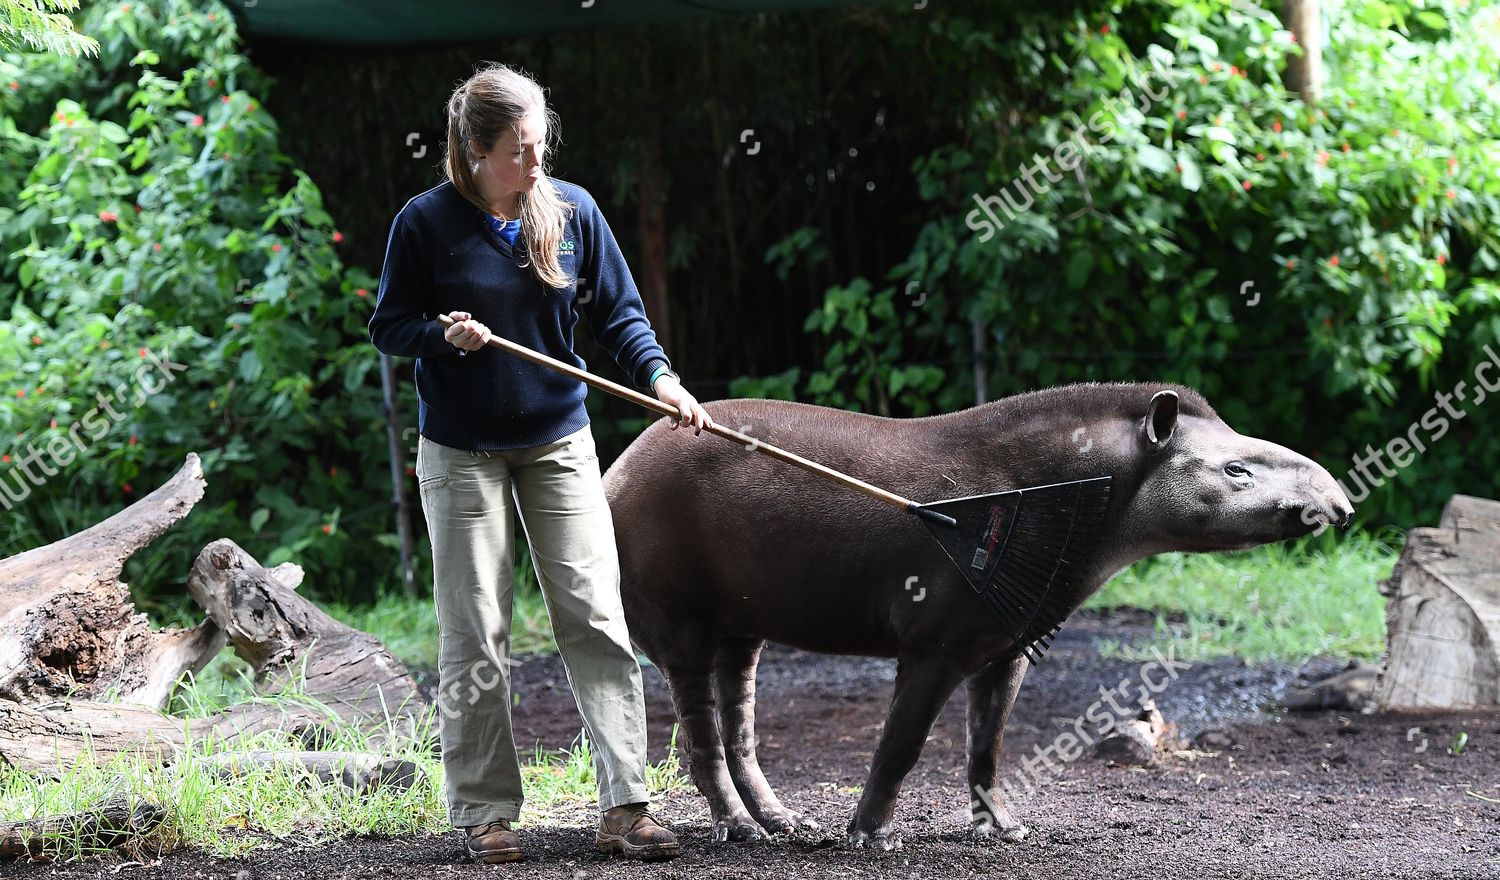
(70, 628)
(1443, 613)
(1304, 72)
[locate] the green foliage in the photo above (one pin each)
(149, 214)
(42, 26)
(1319, 273)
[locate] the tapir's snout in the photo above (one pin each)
(1321, 502)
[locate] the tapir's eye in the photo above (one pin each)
(1236, 469)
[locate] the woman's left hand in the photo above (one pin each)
(689, 410)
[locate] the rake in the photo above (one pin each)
(1023, 551)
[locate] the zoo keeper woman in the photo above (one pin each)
(502, 245)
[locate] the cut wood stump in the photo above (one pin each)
(1443, 613)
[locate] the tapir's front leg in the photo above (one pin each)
(992, 692)
(923, 685)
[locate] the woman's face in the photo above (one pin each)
(514, 164)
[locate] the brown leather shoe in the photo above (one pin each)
(493, 843)
(631, 831)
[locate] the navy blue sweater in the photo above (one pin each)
(444, 256)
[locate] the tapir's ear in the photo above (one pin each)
(1161, 417)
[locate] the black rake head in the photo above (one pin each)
(1025, 551)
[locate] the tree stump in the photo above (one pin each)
(1443, 613)
(70, 629)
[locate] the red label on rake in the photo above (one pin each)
(992, 537)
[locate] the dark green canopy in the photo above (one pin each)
(388, 22)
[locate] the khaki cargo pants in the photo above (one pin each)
(468, 498)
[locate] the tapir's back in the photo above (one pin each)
(711, 530)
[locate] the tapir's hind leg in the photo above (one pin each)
(734, 677)
(686, 662)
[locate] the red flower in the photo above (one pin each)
(197, 120)
(333, 472)
(327, 529)
(1291, 264)
(276, 248)
(143, 352)
(1234, 71)
(1441, 259)
(54, 424)
(36, 340)
(1294, 36)
(1322, 157)
(224, 99)
(1104, 29)
(1346, 146)
(156, 246)
(337, 236)
(1218, 67)
(1452, 194)
(1333, 260)
(1179, 168)
(213, 83)
(1276, 126)
(251, 108)
(108, 216)
(6, 458)
(15, 86)
(132, 439)
(1246, 185)
(125, 487)
(1260, 157)
(1181, 114)
(20, 392)
(361, 292)
(411, 471)
(1203, 80)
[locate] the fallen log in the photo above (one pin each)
(118, 822)
(69, 626)
(286, 638)
(360, 771)
(1443, 613)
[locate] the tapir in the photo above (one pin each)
(722, 549)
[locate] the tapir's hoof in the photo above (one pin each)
(986, 830)
(739, 829)
(883, 839)
(793, 824)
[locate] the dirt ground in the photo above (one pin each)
(1322, 794)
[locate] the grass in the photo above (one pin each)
(288, 807)
(1286, 602)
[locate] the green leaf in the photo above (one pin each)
(1154, 158)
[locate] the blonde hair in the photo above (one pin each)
(488, 103)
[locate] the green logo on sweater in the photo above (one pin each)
(565, 248)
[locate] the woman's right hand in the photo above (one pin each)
(466, 333)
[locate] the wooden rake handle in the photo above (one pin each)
(749, 442)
